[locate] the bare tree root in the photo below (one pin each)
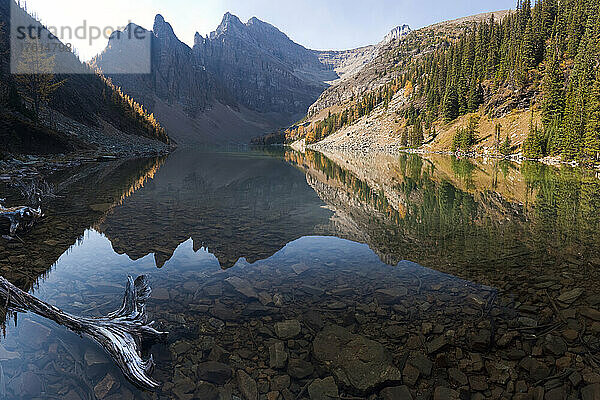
(120, 333)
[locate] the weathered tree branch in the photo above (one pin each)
(20, 218)
(120, 333)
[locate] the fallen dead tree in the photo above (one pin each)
(120, 333)
(19, 218)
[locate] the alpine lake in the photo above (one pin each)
(287, 275)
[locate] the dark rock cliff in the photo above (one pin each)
(242, 80)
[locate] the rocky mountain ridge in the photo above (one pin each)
(390, 55)
(240, 81)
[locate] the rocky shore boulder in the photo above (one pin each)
(358, 364)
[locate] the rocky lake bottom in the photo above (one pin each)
(269, 289)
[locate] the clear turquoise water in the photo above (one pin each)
(300, 228)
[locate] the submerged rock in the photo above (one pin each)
(591, 392)
(396, 393)
(247, 385)
(359, 364)
(570, 296)
(214, 372)
(242, 286)
(105, 386)
(277, 355)
(323, 389)
(287, 329)
(300, 369)
(390, 296)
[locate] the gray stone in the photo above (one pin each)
(575, 378)
(395, 331)
(184, 386)
(323, 389)
(591, 313)
(180, 347)
(287, 329)
(591, 392)
(395, 393)
(91, 357)
(411, 375)
(103, 388)
(206, 391)
(260, 76)
(31, 385)
(358, 363)
(265, 298)
(539, 371)
(554, 345)
(214, 372)
(277, 355)
(314, 290)
(160, 294)
(242, 286)
(444, 393)
(481, 340)
(300, 268)
(280, 382)
(422, 363)
(457, 377)
(571, 296)
(527, 322)
(313, 319)
(436, 344)
(247, 385)
(478, 383)
(556, 394)
(300, 369)
(35, 334)
(390, 296)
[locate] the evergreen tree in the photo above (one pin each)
(592, 128)
(529, 48)
(475, 97)
(535, 144)
(451, 104)
(553, 91)
(417, 136)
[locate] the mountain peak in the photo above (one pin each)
(229, 23)
(255, 20)
(159, 19)
(131, 27)
(397, 33)
(161, 27)
(229, 18)
(198, 39)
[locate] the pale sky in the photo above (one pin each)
(316, 24)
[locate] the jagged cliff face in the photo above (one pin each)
(261, 67)
(175, 80)
(243, 80)
(397, 33)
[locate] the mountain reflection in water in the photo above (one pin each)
(245, 240)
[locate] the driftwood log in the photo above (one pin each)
(19, 218)
(120, 333)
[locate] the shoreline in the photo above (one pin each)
(395, 149)
(28, 166)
